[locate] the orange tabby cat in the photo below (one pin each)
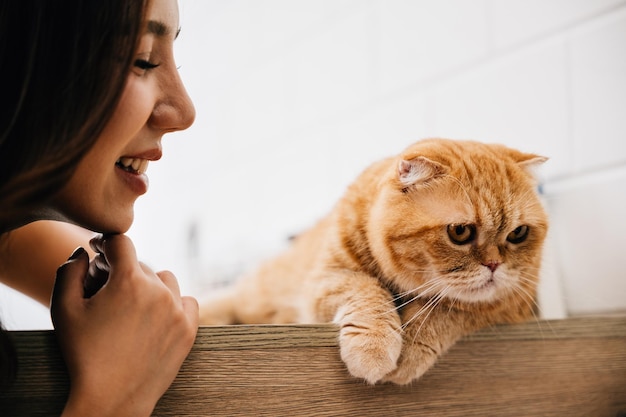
(423, 248)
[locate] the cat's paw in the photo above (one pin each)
(414, 361)
(370, 353)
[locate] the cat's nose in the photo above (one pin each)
(492, 265)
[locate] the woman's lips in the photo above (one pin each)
(132, 171)
(133, 165)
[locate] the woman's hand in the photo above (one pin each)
(124, 345)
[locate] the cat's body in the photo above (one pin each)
(422, 249)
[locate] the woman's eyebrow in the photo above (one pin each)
(160, 29)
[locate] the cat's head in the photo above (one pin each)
(460, 219)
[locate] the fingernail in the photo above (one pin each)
(96, 242)
(78, 252)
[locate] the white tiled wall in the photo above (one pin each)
(295, 97)
(589, 239)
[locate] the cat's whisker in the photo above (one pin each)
(393, 308)
(436, 300)
(418, 313)
(528, 275)
(528, 299)
(532, 304)
(531, 280)
(441, 291)
(420, 291)
(528, 270)
(428, 307)
(428, 286)
(403, 294)
(453, 300)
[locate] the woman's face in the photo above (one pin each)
(102, 192)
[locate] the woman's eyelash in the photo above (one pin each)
(144, 64)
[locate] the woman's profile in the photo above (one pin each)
(88, 91)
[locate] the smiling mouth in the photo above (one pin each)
(133, 165)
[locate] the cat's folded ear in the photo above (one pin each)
(419, 170)
(528, 161)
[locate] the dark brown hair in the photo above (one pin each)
(63, 67)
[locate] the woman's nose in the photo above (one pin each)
(175, 110)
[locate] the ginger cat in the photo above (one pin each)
(423, 248)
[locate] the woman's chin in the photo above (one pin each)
(107, 223)
(115, 227)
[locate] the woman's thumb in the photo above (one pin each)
(69, 280)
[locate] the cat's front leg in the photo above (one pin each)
(369, 345)
(429, 332)
(370, 334)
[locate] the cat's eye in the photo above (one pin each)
(518, 235)
(461, 234)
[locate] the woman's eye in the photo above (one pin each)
(518, 235)
(461, 234)
(144, 64)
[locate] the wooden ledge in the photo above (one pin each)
(573, 367)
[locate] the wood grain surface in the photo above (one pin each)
(573, 367)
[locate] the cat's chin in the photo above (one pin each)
(485, 293)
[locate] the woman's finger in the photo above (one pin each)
(170, 282)
(96, 243)
(191, 308)
(120, 255)
(98, 268)
(69, 280)
(98, 275)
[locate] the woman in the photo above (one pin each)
(91, 87)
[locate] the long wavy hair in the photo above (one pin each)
(63, 67)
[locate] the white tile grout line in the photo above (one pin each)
(585, 178)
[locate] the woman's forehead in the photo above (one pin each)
(162, 17)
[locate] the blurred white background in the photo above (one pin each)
(295, 97)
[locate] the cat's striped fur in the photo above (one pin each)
(423, 248)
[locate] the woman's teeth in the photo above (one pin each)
(134, 165)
